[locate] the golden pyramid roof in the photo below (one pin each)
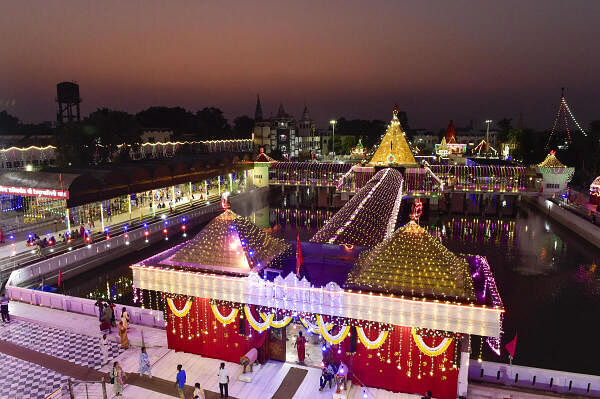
(394, 149)
(413, 263)
(551, 161)
(229, 243)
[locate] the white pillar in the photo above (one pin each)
(219, 180)
(102, 216)
(153, 204)
(173, 195)
(230, 183)
(68, 216)
(129, 201)
(463, 375)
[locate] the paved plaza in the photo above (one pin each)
(41, 348)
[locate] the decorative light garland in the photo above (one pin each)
(224, 319)
(277, 323)
(183, 312)
(371, 344)
(255, 323)
(313, 328)
(332, 339)
(428, 350)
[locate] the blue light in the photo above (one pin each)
(145, 225)
(183, 220)
(564, 195)
(323, 348)
(250, 253)
(125, 227)
(106, 229)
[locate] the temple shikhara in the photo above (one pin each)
(391, 303)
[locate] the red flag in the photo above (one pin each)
(59, 277)
(298, 256)
(511, 347)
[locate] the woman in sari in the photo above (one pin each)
(116, 377)
(300, 346)
(125, 318)
(123, 335)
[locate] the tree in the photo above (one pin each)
(242, 127)
(348, 143)
(176, 118)
(212, 124)
(110, 129)
(8, 123)
(75, 145)
(504, 126)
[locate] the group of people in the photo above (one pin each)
(107, 318)
(222, 375)
(117, 375)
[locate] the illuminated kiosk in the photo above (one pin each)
(556, 176)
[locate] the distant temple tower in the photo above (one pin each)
(258, 113)
(450, 133)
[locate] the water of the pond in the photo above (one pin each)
(546, 276)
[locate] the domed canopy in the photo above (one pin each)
(229, 243)
(551, 161)
(413, 263)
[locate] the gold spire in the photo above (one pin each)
(393, 150)
(551, 161)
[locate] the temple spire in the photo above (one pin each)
(258, 113)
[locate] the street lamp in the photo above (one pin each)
(487, 133)
(333, 122)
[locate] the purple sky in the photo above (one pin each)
(438, 60)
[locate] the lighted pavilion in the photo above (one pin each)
(556, 175)
(449, 146)
(398, 316)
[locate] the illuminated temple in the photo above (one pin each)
(399, 312)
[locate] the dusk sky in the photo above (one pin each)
(438, 60)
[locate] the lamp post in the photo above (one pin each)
(333, 122)
(487, 133)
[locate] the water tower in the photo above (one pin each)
(67, 97)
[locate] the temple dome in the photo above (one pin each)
(413, 263)
(551, 161)
(393, 150)
(229, 243)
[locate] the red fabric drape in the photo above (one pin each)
(366, 367)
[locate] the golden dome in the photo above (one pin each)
(413, 263)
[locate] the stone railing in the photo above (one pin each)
(534, 378)
(145, 317)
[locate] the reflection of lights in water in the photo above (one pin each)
(546, 226)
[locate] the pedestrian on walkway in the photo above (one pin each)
(100, 307)
(180, 381)
(116, 378)
(123, 335)
(145, 366)
(112, 307)
(4, 308)
(125, 318)
(107, 315)
(104, 345)
(223, 380)
(198, 391)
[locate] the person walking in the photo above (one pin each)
(123, 335)
(116, 378)
(100, 307)
(145, 366)
(180, 381)
(198, 391)
(107, 315)
(112, 307)
(125, 317)
(4, 308)
(104, 345)
(223, 380)
(301, 347)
